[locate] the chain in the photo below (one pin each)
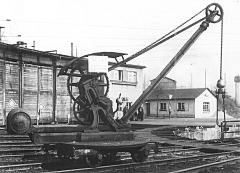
(221, 49)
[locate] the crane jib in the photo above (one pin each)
(162, 40)
(166, 70)
(175, 59)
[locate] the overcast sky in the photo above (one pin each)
(127, 26)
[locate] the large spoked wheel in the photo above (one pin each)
(101, 84)
(99, 81)
(140, 155)
(73, 82)
(94, 160)
(214, 12)
(82, 111)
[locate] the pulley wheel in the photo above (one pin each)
(216, 11)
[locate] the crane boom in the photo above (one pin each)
(151, 46)
(165, 71)
(177, 57)
(209, 17)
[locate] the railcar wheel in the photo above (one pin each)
(110, 157)
(140, 155)
(65, 154)
(94, 160)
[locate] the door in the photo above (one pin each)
(148, 109)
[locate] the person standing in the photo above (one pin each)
(140, 113)
(169, 110)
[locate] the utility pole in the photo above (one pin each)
(205, 78)
(1, 33)
(225, 81)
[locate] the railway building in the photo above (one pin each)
(28, 79)
(167, 101)
(128, 80)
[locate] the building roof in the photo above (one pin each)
(190, 93)
(165, 78)
(15, 48)
(128, 65)
(26, 51)
(83, 62)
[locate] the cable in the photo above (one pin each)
(159, 41)
(221, 49)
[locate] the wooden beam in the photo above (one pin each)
(64, 128)
(4, 92)
(38, 88)
(20, 80)
(51, 138)
(107, 136)
(54, 89)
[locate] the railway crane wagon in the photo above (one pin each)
(97, 136)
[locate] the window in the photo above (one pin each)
(181, 106)
(206, 107)
(124, 75)
(132, 76)
(129, 104)
(163, 106)
(120, 108)
(118, 75)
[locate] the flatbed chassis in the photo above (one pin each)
(96, 153)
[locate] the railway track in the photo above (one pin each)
(163, 160)
(191, 164)
(15, 145)
(21, 155)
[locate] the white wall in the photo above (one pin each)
(237, 92)
(206, 96)
(132, 91)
